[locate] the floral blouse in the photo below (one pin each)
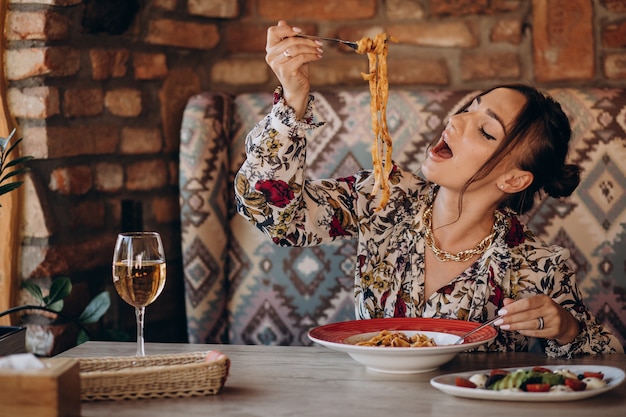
(273, 192)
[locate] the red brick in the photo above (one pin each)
(275, 10)
(403, 10)
(87, 214)
(413, 71)
(125, 102)
(452, 34)
(60, 141)
(339, 72)
(471, 7)
(62, 3)
(246, 38)
(37, 25)
(563, 40)
(108, 63)
(507, 30)
(85, 255)
(183, 34)
(50, 61)
(146, 175)
(149, 66)
(164, 4)
(165, 210)
(137, 140)
(614, 35)
(109, 177)
(69, 180)
(33, 102)
(487, 66)
(83, 102)
(213, 8)
(240, 72)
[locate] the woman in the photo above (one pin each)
(449, 246)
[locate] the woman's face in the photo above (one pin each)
(470, 139)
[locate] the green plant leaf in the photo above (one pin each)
(9, 187)
(10, 148)
(33, 289)
(61, 287)
(18, 161)
(56, 306)
(96, 308)
(5, 141)
(13, 173)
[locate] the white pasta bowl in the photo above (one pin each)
(343, 337)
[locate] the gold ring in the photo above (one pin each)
(541, 324)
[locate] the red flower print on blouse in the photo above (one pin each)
(446, 289)
(336, 229)
(497, 295)
(400, 310)
(516, 233)
(400, 307)
(276, 192)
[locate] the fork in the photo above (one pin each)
(352, 45)
(471, 332)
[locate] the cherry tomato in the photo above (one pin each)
(538, 387)
(464, 382)
(498, 372)
(575, 384)
(598, 375)
(541, 369)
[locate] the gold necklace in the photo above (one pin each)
(445, 256)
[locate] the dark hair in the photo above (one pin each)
(542, 132)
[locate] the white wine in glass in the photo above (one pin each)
(139, 273)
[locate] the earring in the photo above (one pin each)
(502, 186)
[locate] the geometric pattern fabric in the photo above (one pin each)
(240, 288)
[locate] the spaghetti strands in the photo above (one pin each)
(382, 147)
(389, 338)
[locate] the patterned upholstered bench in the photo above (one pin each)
(240, 288)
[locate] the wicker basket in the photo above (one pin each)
(153, 376)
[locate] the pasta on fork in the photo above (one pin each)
(382, 147)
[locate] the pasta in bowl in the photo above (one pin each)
(359, 339)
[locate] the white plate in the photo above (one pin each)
(614, 377)
(342, 337)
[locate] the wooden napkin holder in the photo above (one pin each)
(50, 392)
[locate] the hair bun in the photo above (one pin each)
(564, 182)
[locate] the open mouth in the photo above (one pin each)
(442, 149)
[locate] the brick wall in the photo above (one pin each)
(99, 104)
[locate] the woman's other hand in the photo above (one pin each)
(289, 56)
(539, 316)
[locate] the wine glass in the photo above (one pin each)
(139, 273)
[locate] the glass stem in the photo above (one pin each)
(139, 313)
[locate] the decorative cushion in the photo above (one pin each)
(241, 288)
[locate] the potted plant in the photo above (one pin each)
(49, 330)
(11, 337)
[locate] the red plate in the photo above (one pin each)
(338, 332)
(343, 337)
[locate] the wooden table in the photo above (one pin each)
(315, 381)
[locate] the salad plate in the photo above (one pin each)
(344, 336)
(613, 376)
